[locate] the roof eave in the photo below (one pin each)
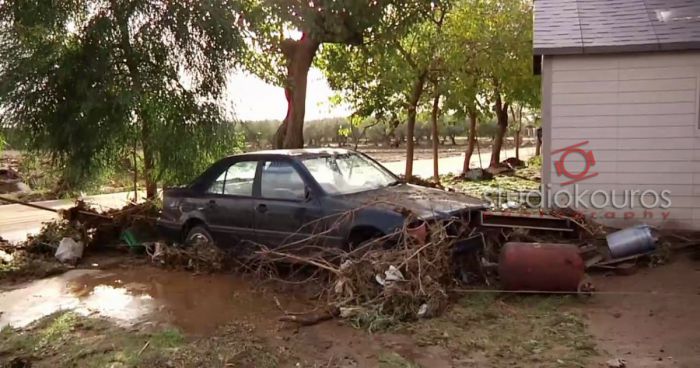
(615, 49)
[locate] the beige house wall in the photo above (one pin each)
(640, 116)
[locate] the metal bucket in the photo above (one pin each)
(631, 241)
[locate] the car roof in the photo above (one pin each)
(298, 152)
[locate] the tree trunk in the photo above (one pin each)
(148, 162)
(299, 55)
(519, 119)
(436, 138)
(143, 119)
(391, 134)
(136, 171)
(411, 121)
(471, 141)
(501, 110)
(453, 140)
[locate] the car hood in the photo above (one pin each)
(423, 202)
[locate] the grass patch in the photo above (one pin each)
(514, 330)
(57, 330)
(373, 320)
(394, 360)
(235, 345)
(66, 339)
(524, 180)
(169, 338)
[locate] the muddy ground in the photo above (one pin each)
(122, 313)
(659, 324)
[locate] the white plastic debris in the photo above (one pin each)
(350, 312)
(345, 265)
(510, 205)
(617, 363)
(6, 257)
(391, 275)
(423, 310)
(158, 253)
(69, 251)
(379, 279)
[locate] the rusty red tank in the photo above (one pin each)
(541, 266)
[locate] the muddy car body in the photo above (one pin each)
(283, 196)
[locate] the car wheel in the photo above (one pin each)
(199, 234)
(365, 241)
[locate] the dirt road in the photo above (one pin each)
(453, 164)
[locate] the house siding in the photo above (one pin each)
(639, 114)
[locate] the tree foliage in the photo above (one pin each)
(91, 81)
(392, 72)
(474, 54)
(277, 57)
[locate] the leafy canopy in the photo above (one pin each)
(345, 22)
(88, 80)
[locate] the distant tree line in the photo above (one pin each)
(341, 132)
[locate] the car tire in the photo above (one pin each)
(363, 241)
(198, 233)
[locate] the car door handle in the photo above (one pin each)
(211, 204)
(262, 208)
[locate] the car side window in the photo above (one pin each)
(236, 180)
(280, 180)
(217, 187)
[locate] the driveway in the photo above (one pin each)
(17, 221)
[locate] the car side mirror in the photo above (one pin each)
(307, 193)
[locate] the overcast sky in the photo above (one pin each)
(253, 99)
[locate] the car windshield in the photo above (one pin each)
(348, 173)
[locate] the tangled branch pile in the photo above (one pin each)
(406, 281)
(97, 228)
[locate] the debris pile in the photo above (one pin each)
(79, 228)
(11, 182)
(409, 280)
(198, 257)
(28, 260)
(405, 275)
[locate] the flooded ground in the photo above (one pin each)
(195, 304)
(654, 325)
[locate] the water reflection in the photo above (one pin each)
(196, 304)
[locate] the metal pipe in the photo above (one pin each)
(17, 201)
(40, 207)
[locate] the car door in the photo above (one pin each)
(284, 211)
(229, 209)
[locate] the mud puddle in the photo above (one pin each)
(196, 304)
